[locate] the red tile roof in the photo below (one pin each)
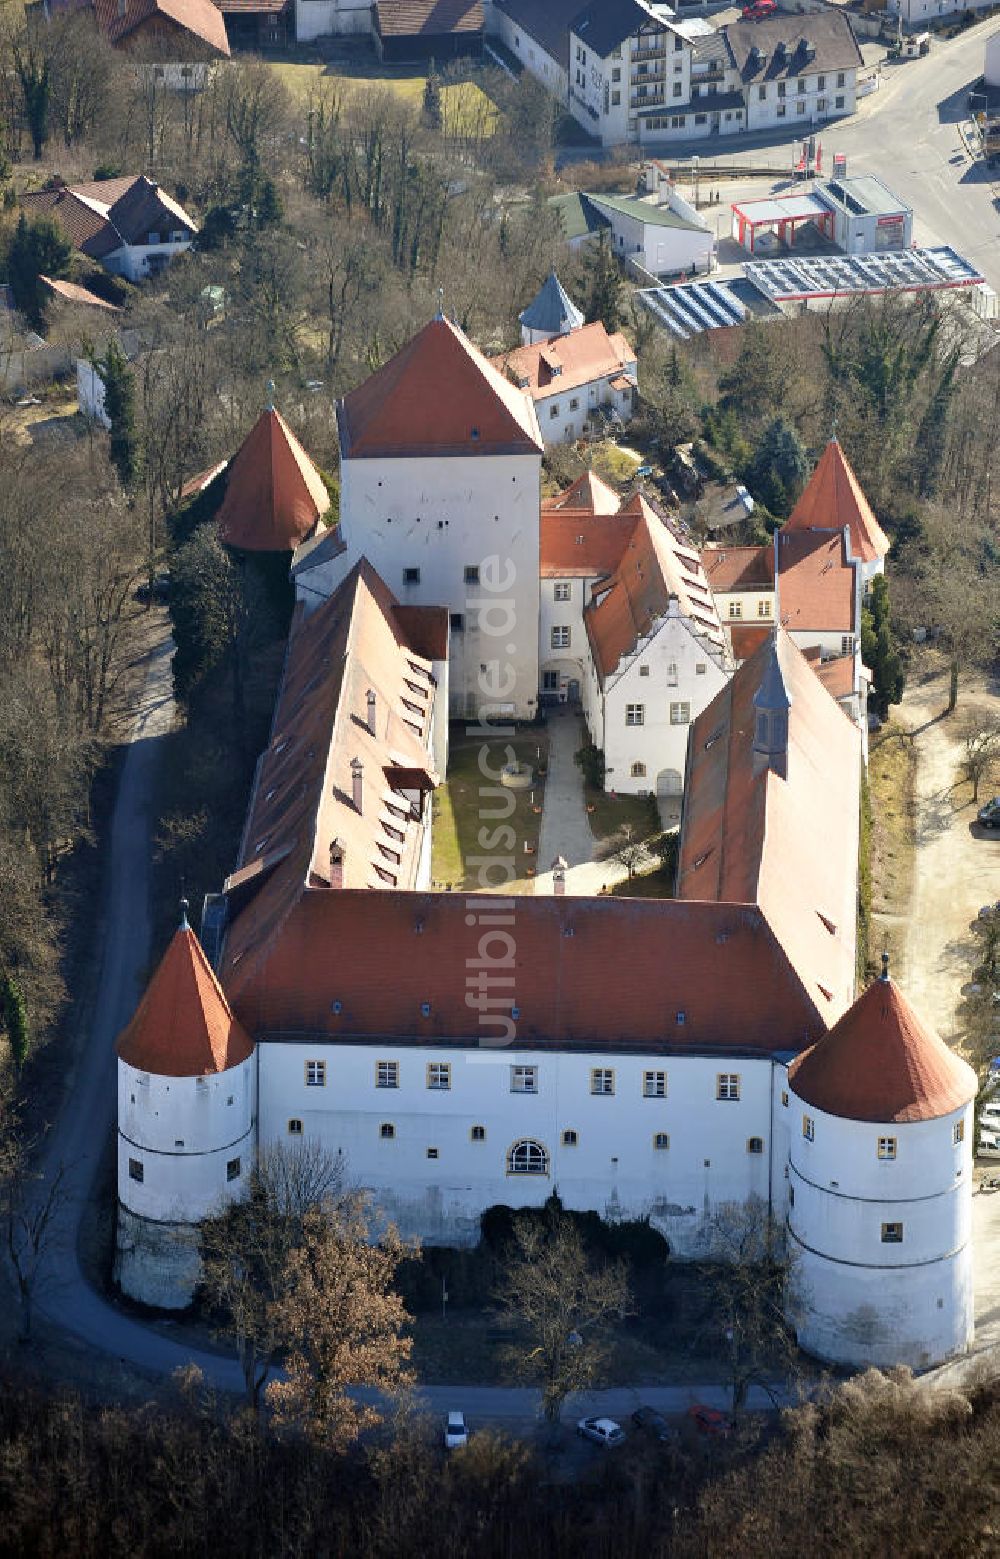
(729, 569)
(790, 845)
(655, 565)
(200, 18)
(589, 492)
(747, 638)
(302, 805)
(69, 292)
(86, 228)
(184, 1026)
(410, 18)
(833, 499)
(101, 215)
(565, 363)
(837, 675)
(635, 974)
(882, 1063)
(437, 396)
(816, 585)
(274, 494)
(576, 543)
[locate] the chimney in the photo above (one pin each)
(371, 710)
(337, 863)
(559, 876)
(357, 783)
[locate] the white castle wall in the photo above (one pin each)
(867, 1301)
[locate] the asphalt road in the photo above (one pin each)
(909, 133)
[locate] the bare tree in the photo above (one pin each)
(560, 1301)
(630, 850)
(981, 744)
(30, 1202)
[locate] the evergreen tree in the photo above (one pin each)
(38, 248)
(604, 297)
(432, 115)
(777, 471)
(119, 407)
(878, 649)
(15, 1016)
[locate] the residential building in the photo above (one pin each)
(575, 380)
(660, 233)
(183, 31)
(130, 226)
(551, 312)
(741, 580)
(427, 29)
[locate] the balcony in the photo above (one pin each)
(647, 99)
(656, 52)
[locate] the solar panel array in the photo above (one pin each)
(689, 309)
(906, 270)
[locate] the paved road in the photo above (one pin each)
(566, 829)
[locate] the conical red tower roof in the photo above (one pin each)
(184, 1026)
(833, 499)
(881, 1063)
(274, 493)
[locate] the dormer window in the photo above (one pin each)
(152, 238)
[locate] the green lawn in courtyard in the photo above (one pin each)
(469, 815)
(465, 108)
(611, 813)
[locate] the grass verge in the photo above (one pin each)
(891, 772)
(474, 816)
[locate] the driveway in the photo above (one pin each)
(956, 866)
(565, 828)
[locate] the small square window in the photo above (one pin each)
(432, 1152)
(135, 1170)
(569, 1139)
(602, 1080)
(661, 1141)
(808, 1128)
(763, 608)
(574, 404)
(387, 1131)
(387, 1074)
(644, 671)
(315, 1074)
(680, 714)
(456, 622)
(554, 410)
(958, 1133)
(755, 1144)
(471, 574)
(887, 1147)
(550, 681)
(700, 668)
(736, 608)
(233, 1169)
(635, 714)
(727, 1085)
(477, 1134)
(654, 1085)
(439, 1074)
(892, 1234)
(562, 590)
(524, 1079)
(411, 576)
(295, 1127)
(560, 638)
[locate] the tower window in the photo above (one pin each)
(477, 1134)
(602, 1079)
(387, 1074)
(472, 574)
(892, 1234)
(528, 1158)
(661, 1142)
(439, 1074)
(135, 1170)
(727, 1085)
(755, 1144)
(233, 1169)
(295, 1127)
(569, 1139)
(808, 1128)
(887, 1147)
(411, 576)
(432, 1152)
(315, 1074)
(387, 1131)
(654, 1085)
(958, 1133)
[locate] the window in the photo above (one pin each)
(762, 94)
(439, 1074)
(554, 409)
(616, 74)
(736, 608)
(635, 714)
(456, 622)
(616, 99)
(847, 644)
(387, 1074)
(791, 1196)
(892, 1234)
(477, 1134)
(387, 1131)
(800, 107)
(524, 1079)
(887, 1147)
(841, 79)
(763, 608)
(411, 576)
(808, 1128)
(152, 238)
(680, 714)
(654, 1085)
(527, 1158)
(701, 668)
(780, 111)
(560, 638)
(838, 102)
(821, 105)
(784, 1097)
(569, 1139)
(638, 771)
(727, 1085)
(672, 674)
(550, 681)
(644, 671)
(135, 1170)
(701, 119)
(562, 590)
(602, 1079)
(471, 574)
(678, 89)
(755, 1144)
(295, 1127)
(315, 1074)
(958, 1133)
(820, 83)
(800, 85)
(661, 1142)
(233, 1169)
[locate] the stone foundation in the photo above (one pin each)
(156, 1263)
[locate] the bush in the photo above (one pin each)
(633, 1239)
(590, 761)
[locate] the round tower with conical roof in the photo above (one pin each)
(186, 1117)
(880, 1188)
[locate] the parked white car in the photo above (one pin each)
(603, 1431)
(456, 1431)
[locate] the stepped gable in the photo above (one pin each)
(833, 499)
(275, 497)
(589, 493)
(882, 1063)
(787, 843)
(437, 396)
(184, 1026)
(552, 310)
(655, 566)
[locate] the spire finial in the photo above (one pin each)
(185, 924)
(885, 967)
(833, 429)
(440, 312)
(269, 391)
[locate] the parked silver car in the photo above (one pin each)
(603, 1431)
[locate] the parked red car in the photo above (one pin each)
(708, 1420)
(759, 10)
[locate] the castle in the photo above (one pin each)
(647, 1058)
